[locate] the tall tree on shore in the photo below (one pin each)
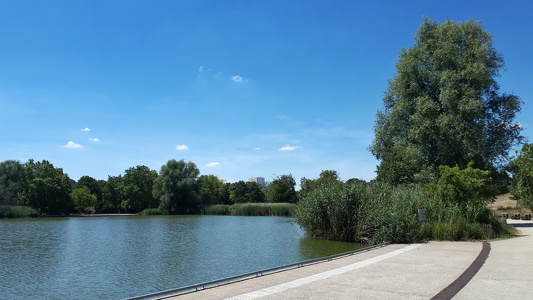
(45, 187)
(11, 174)
(444, 107)
(137, 187)
(282, 189)
(176, 187)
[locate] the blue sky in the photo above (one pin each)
(241, 88)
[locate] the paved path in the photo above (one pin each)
(418, 271)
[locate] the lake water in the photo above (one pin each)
(125, 256)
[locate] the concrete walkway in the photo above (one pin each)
(418, 271)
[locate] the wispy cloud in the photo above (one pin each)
(72, 145)
(257, 148)
(237, 78)
(182, 147)
(86, 129)
(288, 148)
(213, 164)
(94, 140)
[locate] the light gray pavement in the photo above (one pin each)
(418, 271)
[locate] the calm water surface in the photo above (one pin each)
(118, 257)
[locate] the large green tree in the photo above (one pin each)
(444, 107)
(282, 189)
(211, 190)
(244, 192)
(137, 189)
(112, 196)
(11, 174)
(176, 187)
(45, 187)
(83, 200)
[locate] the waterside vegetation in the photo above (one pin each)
(253, 209)
(442, 139)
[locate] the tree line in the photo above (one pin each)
(178, 188)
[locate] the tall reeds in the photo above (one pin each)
(253, 209)
(377, 212)
(7, 211)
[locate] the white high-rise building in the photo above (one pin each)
(260, 180)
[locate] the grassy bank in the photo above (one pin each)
(253, 209)
(17, 212)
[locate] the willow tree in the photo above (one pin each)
(176, 187)
(443, 106)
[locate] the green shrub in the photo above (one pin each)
(17, 212)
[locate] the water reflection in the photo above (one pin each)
(118, 257)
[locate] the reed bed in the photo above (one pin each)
(377, 212)
(7, 211)
(253, 209)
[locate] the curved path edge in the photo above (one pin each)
(451, 290)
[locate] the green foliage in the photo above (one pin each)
(111, 195)
(522, 169)
(45, 188)
(218, 209)
(83, 200)
(245, 192)
(176, 187)
(11, 174)
(137, 185)
(338, 211)
(308, 185)
(253, 209)
(377, 212)
(466, 185)
(152, 212)
(443, 107)
(282, 189)
(95, 187)
(212, 190)
(8, 211)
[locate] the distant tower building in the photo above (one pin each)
(260, 180)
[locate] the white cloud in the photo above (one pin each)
(257, 149)
(94, 140)
(288, 148)
(213, 164)
(201, 68)
(182, 147)
(237, 78)
(86, 129)
(72, 145)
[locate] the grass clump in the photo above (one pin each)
(7, 211)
